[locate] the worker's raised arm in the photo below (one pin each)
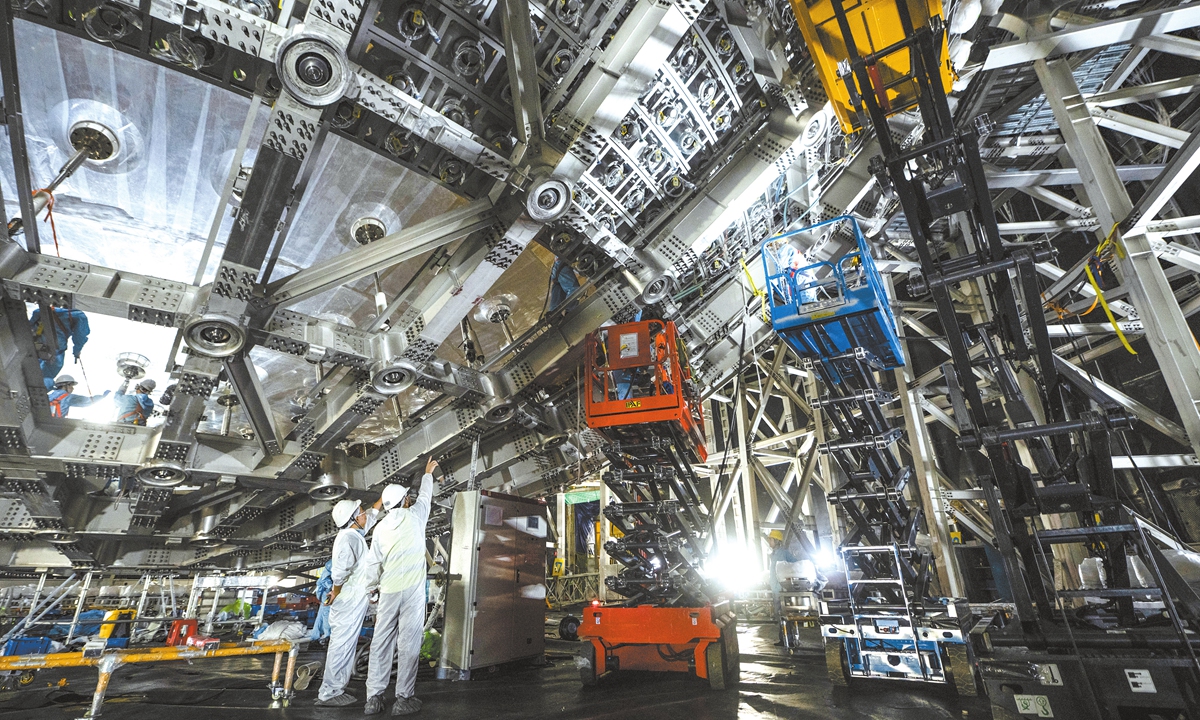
(421, 507)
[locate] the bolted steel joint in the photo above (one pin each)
(161, 473)
(548, 199)
(312, 69)
(214, 335)
(390, 378)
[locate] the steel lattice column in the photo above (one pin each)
(1167, 331)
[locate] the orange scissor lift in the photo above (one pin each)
(640, 395)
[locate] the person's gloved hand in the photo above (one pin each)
(107, 393)
(76, 359)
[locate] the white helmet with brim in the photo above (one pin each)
(393, 495)
(344, 512)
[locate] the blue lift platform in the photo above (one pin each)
(829, 309)
(836, 316)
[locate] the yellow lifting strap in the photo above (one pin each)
(760, 294)
(1100, 293)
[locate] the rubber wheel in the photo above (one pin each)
(714, 656)
(733, 654)
(568, 628)
(587, 668)
(962, 673)
(835, 662)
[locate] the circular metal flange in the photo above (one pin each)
(548, 199)
(367, 230)
(390, 378)
(161, 473)
(314, 71)
(328, 488)
(658, 289)
(57, 536)
(500, 412)
(214, 335)
(206, 540)
(99, 140)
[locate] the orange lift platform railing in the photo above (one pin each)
(640, 395)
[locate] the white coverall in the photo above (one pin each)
(397, 559)
(347, 612)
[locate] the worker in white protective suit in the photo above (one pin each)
(348, 600)
(397, 561)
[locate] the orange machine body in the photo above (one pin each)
(638, 374)
(649, 638)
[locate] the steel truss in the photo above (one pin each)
(1049, 421)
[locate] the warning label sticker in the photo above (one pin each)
(1140, 681)
(1035, 705)
(629, 345)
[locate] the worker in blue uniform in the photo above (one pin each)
(135, 409)
(63, 397)
(51, 342)
(320, 628)
(562, 282)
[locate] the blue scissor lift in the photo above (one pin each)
(836, 316)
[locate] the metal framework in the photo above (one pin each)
(653, 146)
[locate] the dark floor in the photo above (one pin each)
(772, 686)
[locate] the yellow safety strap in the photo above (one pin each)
(1104, 304)
(761, 294)
(1120, 251)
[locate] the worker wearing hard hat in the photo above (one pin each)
(135, 409)
(63, 398)
(347, 600)
(779, 553)
(397, 561)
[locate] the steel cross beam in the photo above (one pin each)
(523, 75)
(1099, 34)
(382, 254)
(1167, 330)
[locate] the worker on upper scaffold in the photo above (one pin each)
(51, 343)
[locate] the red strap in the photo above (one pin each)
(56, 406)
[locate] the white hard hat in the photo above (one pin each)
(344, 511)
(148, 383)
(64, 380)
(393, 495)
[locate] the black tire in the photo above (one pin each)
(587, 668)
(715, 663)
(835, 662)
(956, 659)
(733, 653)
(568, 628)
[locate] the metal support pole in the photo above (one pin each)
(141, 606)
(87, 582)
(923, 464)
(37, 596)
(106, 671)
(602, 564)
(212, 612)
(749, 489)
(290, 674)
(15, 122)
